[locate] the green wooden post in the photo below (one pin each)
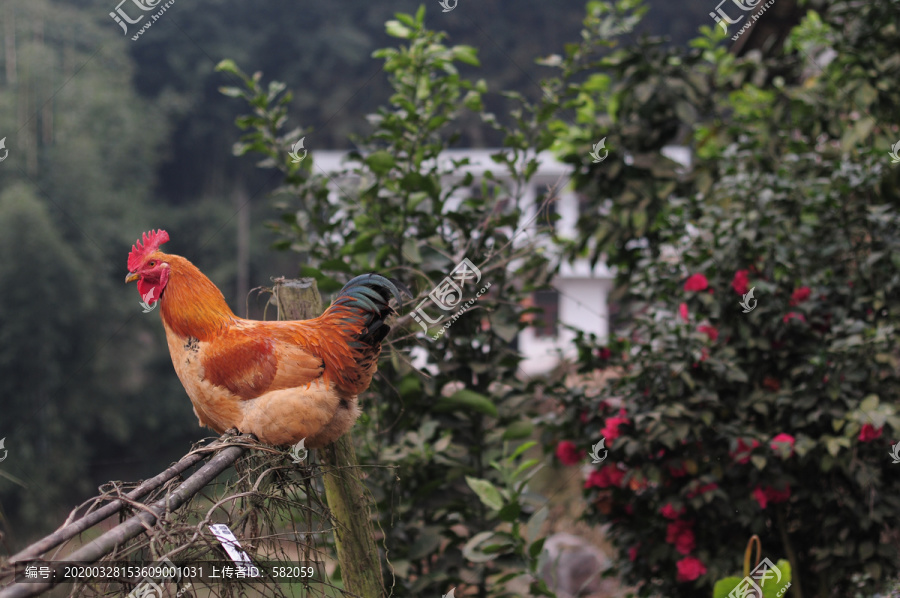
(345, 493)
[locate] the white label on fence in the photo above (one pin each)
(231, 545)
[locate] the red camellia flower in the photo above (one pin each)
(869, 433)
(771, 383)
(689, 569)
(681, 535)
(800, 295)
(792, 315)
(696, 282)
(669, 512)
(568, 453)
(683, 311)
(604, 353)
(741, 282)
(610, 430)
(632, 553)
(595, 480)
(760, 496)
(686, 542)
(709, 331)
(606, 476)
(783, 440)
(742, 454)
(768, 494)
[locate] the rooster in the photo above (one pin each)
(282, 381)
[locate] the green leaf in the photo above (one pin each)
(869, 403)
(536, 547)
(397, 29)
(472, 101)
(409, 385)
(525, 465)
(381, 162)
(472, 550)
(724, 587)
(533, 528)
(467, 400)
(466, 54)
(510, 512)
(486, 491)
(231, 92)
(228, 66)
(405, 19)
(411, 250)
(758, 461)
(833, 445)
(518, 430)
(774, 590)
(521, 449)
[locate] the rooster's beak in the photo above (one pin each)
(132, 276)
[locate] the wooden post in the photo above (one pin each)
(345, 493)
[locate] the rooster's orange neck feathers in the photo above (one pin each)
(192, 306)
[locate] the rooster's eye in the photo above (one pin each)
(151, 264)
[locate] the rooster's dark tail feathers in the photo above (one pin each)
(368, 296)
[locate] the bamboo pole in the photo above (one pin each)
(67, 532)
(354, 534)
(137, 524)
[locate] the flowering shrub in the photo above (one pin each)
(773, 422)
(771, 414)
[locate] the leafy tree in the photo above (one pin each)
(453, 505)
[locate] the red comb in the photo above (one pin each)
(139, 251)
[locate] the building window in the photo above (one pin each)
(545, 323)
(548, 214)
